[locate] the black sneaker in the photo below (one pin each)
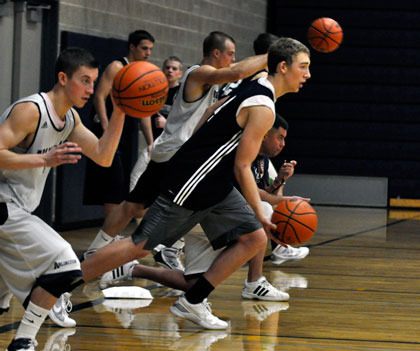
(169, 257)
(22, 344)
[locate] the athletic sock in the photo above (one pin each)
(102, 239)
(31, 321)
(199, 291)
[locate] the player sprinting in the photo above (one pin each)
(37, 133)
(198, 187)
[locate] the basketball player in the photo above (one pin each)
(172, 67)
(116, 179)
(199, 90)
(199, 254)
(280, 253)
(198, 186)
(36, 133)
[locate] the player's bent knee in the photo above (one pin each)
(58, 283)
(256, 239)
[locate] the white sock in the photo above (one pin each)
(102, 239)
(31, 321)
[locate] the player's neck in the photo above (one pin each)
(59, 101)
(279, 86)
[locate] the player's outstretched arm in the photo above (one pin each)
(101, 150)
(19, 130)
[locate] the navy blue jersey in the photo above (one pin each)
(201, 173)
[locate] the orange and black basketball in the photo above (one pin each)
(325, 34)
(296, 221)
(140, 89)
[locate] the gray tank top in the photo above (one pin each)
(182, 120)
(25, 187)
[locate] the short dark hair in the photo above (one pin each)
(279, 121)
(70, 59)
(215, 40)
(284, 49)
(138, 35)
(263, 42)
(173, 58)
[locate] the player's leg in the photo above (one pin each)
(257, 286)
(38, 267)
(231, 224)
(164, 222)
(141, 197)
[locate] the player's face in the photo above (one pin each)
(143, 50)
(298, 72)
(172, 70)
(80, 86)
(227, 56)
(274, 142)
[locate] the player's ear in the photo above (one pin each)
(62, 78)
(281, 67)
(216, 53)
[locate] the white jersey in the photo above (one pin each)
(25, 187)
(182, 121)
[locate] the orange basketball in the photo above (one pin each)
(296, 221)
(325, 35)
(140, 89)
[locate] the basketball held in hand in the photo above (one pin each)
(325, 35)
(296, 221)
(140, 89)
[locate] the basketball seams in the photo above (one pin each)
(324, 35)
(140, 89)
(134, 81)
(291, 228)
(140, 96)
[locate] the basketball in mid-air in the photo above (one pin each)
(296, 221)
(325, 34)
(140, 89)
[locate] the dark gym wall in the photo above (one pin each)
(70, 211)
(359, 114)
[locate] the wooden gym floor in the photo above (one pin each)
(359, 289)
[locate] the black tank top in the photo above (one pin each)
(201, 174)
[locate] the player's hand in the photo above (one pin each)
(66, 153)
(287, 169)
(160, 121)
(116, 108)
(267, 225)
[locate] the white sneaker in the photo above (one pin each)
(199, 313)
(58, 340)
(263, 290)
(59, 314)
(282, 254)
(22, 344)
(117, 275)
(169, 257)
(261, 310)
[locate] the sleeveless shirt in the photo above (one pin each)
(201, 173)
(25, 187)
(182, 120)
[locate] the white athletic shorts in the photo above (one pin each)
(198, 252)
(29, 248)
